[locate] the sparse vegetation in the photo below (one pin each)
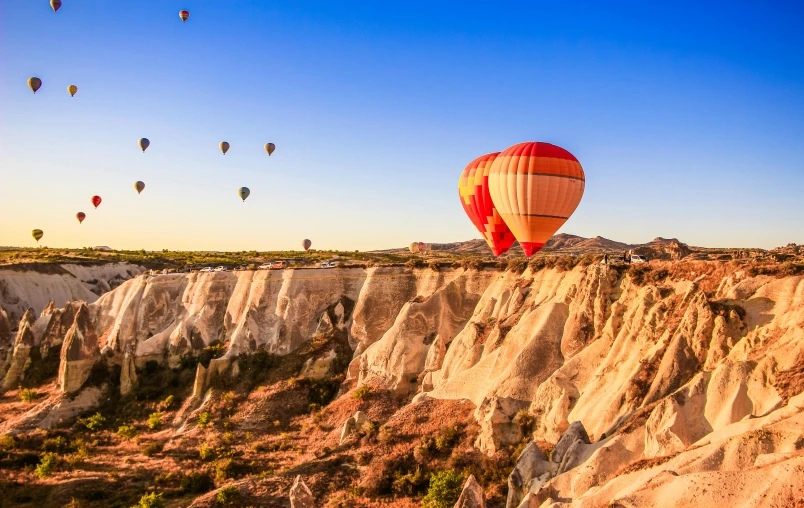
(46, 465)
(445, 488)
(94, 422)
(204, 419)
(155, 421)
(197, 483)
(206, 452)
(127, 432)
(28, 395)
(151, 449)
(151, 500)
(362, 392)
(228, 495)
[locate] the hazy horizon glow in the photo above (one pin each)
(687, 118)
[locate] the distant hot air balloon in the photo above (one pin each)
(306, 244)
(139, 186)
(414, 247)
(473, 189)
(34, 83)
(184, 15)
(224, 147)
(72, 89)
(535, 187)
(56, 4)
(144, 144)
(80, 216)
(37, 234)
(270, 147)
(243, 192)
(96, 200)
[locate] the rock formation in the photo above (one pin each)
(300, 495)
(472, 495)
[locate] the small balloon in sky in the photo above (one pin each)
(243, 192)
(270, 147)
(144, 144)
(37, 234)
(184, 15)
(224, 147)
(96, 200)
(80, 216)
(34, 83)
(306, 244)
(55, 4)
(139, 186)
(72, 89)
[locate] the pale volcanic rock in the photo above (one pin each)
(531, 472)
(472, 495)
(17, 358)
(300, 494)
(79, 353)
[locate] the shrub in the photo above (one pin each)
(155, 421)
(7, 442)
(525, 421)
(206, 452)
(167, 403)
(46, 465)
(56, 444)
(228, 495)
(411, 484)
(517, 265)
(224, 469)
(362, 393)
(445, 488)
(447, 436)
(151, 449)
(196, 483)
(27, 395)
(127, 432)
(151, 500)
(204, 419)
(94, 422)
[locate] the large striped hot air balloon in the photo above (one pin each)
(96, 200)
(535, 187)
(306, 244)
(473, 189)
(37, 234)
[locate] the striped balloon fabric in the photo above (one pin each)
(535, 187)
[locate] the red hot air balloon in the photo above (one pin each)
(96, 200)
(473, 189)
(184, 15)
(80, 216)
(535, 187)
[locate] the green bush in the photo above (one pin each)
(228, 495)
(7, 442)
(56, 444)
(151, 500)
(155, 421)
(127, 432)
(46, 465)
(448, 436)
(206, 452)
(525, 420)
(445, 488)
(168, 402)
(27, 395)
(224, 469)
(196, 483)
(94, 422)
(362, 393)
(151, 449)
(204, 419)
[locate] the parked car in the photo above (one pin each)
(207, 269)
(639, 259)
(264, 266)
(278, 265)
(221, 269)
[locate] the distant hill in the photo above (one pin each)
(568, 244)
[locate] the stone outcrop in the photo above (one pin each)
(531, 472)
(472, 495)
(353, 424)
(79, 353)
(17, 358)
(300, 495)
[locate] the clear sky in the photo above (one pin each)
(688, 118)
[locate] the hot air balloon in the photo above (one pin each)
(144, 144)
(224, 147)
(243, 192)
(96, 200)
(37, 234)
(139, 186)
(473, 189)
(80, 216)
(535, 187)
(306, 244)
(72, 89)
(270, 147)
(184, 15)
(56, 4)
(34, 83)
(414, 247)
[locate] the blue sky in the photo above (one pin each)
(688, 118)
